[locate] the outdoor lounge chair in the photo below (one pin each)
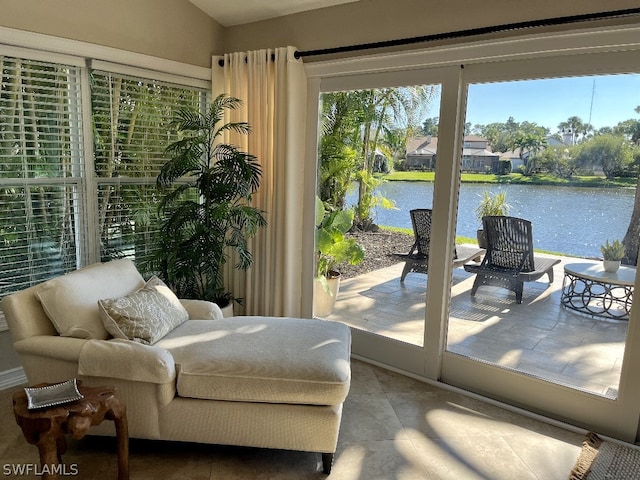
(509, 261)
(417, 260)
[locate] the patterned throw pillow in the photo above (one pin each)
(144, 316)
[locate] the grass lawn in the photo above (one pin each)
(459, 239)
(516, 178)
(409, 232)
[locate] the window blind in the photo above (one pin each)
(132, 128)
(41, 170)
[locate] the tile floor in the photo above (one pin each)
(538, 337)
(393, 427)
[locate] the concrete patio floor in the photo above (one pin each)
(538, 337)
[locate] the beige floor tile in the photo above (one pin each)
(470, 458)
(394, 427)
(369, 417)
(549, 458)
(385, 460)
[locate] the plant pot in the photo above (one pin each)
(482, 238)
(611, 265)
(323, 300)
(227, 310)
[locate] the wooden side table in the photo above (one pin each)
(47, 427)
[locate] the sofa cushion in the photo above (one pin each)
(71, 301)
(145, 315)
(262, 359)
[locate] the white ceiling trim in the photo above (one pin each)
(229, 13)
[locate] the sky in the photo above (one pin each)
(607, 100)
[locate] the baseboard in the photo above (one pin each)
(12, 378)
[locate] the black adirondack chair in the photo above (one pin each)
(509, 261)
(417, 260)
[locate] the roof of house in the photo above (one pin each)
(475, 138)
(429, 146)
(478, 152)
(422, 145)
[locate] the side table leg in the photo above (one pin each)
(122, 435)
(49, 454)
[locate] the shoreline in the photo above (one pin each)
(578, 181)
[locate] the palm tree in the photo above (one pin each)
(381, 108)
(338, 157)
(529, 145)
(575, 127)
(207, 208)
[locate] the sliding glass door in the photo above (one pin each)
(559, 153)
(377, 159)
(537, 132)
(559, 149)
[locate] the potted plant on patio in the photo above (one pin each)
(612, 254)
(332, 248)
(206, 211)
(490, 205)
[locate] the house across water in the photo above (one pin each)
(477, 156)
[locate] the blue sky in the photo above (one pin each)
(551, 101)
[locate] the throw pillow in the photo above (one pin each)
(144, 316)
(70, 301)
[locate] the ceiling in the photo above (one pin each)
(236, 12)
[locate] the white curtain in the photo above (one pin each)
(272, 87)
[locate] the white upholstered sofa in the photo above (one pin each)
(248, 380)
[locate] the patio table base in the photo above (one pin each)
(588, 289)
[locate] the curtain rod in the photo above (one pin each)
(473, 32)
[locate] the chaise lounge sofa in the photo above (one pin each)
(255, 381)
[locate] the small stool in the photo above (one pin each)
(46, 427)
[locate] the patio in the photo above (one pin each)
(537, 337)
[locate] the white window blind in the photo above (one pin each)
(41, 171)
(132, 118)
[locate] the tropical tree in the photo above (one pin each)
(576, 128)
(430, 126)
(497, 135)
(558, 160)
(631, 239)
(339, 144)
(630, 129)
(610, 152)
(529, 143)
(356, 126)
(394, 144)
(501, 135)
(378, 110)
(208, 219)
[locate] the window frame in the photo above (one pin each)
(87, 57)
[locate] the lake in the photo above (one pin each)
(570, 220)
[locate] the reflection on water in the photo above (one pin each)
(569, 220)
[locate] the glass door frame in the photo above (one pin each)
(367, 345)
(583, 52)
(619, 417)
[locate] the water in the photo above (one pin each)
(570, 220)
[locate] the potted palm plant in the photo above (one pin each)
(490, 205)
(612, 254)
(332, 248)
(206, 211)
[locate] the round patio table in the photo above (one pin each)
(588, 289)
